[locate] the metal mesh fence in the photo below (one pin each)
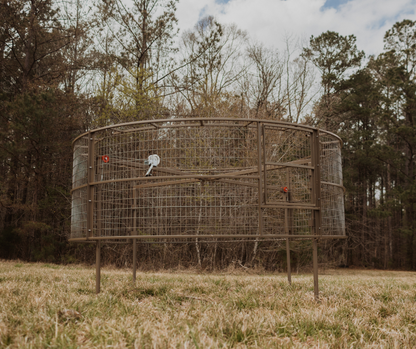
(79, 180)
(216, 177)
(332, 191)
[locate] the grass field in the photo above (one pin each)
(54, 306)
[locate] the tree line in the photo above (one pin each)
(67, 67)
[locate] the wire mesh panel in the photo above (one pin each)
(203, 208)
(332, 191)
(288, 221)
(287, 145)
(79, 192)
(203, 177)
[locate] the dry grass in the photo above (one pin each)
(54, 306)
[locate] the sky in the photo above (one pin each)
(270, 21)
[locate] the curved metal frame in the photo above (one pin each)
(177, 177)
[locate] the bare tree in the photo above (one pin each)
(263, 79)
(214, 52)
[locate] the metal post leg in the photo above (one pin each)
(315, 269)
(97, 267)
(289, 270)
(134, 259)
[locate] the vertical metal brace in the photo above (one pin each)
(97, 266)
(135, 233)
(315, 269)
(264, 165)
(316, 163)
(316, 196)
(98, 206)
(288, 226)
(259, 162)
(134, 259)
(289, 269)
(90, 188)
(90, 210)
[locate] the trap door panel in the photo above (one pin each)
(288, 172)
(287, 165)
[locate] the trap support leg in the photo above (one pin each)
(315, 269)
(134, 259)
(289, 271)
(97, 267)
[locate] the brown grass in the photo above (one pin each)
(53, 306)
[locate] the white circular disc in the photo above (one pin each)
(154, 160)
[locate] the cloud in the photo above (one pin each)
(270, 20)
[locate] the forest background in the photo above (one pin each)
(68, 67)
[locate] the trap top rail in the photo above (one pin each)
(176, 122)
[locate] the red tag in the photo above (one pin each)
(285, 190)
(105, 158)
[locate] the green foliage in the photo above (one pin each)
(374, 111)
(333, 54)
(125, 98)
(36, 150)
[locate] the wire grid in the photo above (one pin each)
(79, 213)
(287, 221)
(201, 150)
(203, 208)
(296, 180)
(80, 163)
(332, 206)
(331, 162)
(286, 145)
(126, 203)
(79, 196)
(332, 192)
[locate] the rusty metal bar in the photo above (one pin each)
(162, 184)
(316, 187)
(172, 121)
(97, 266)
(201, 177)
(290, 127)
(134, 259)
(317, 181)
(196, 176)
(289, 223)
(287, 164)
(179, 182)
(264, 165)
(216, 236)
(99, 212)
(335, 185)
(182, 239)
(135, 231)
(315, 269)
(90, 189)
(291, 206)
(98, 194)
(260, 195)
(289, 270)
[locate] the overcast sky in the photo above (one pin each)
(270, 20)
